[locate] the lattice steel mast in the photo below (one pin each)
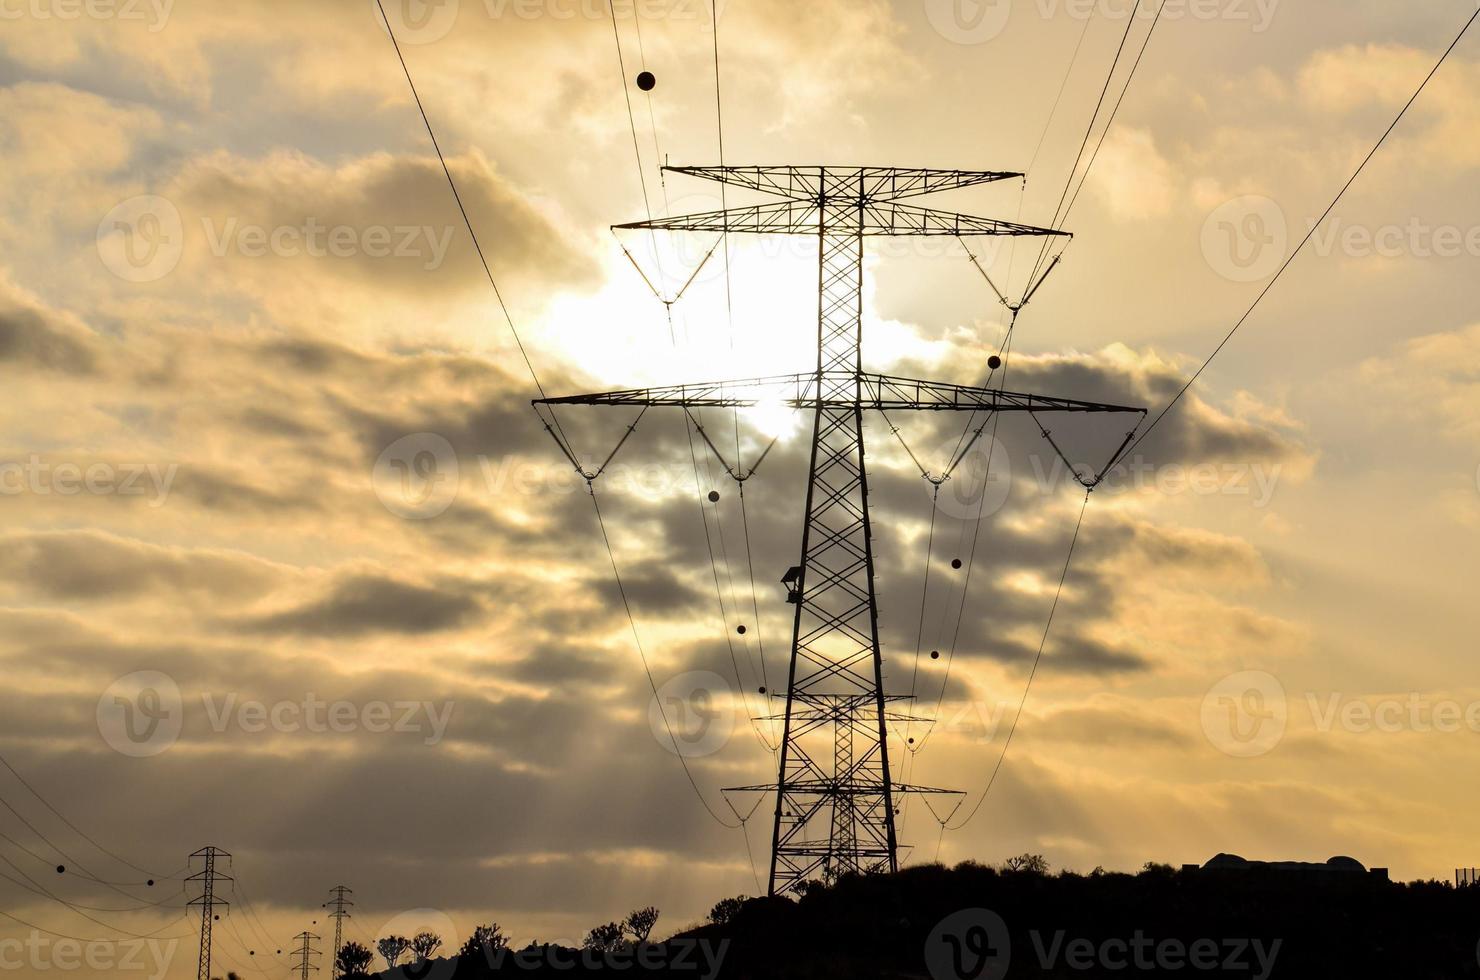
(305, 953)
(835, 682)
(208, 876)
(338, 905)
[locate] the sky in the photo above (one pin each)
(292, 569)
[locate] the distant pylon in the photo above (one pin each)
(208, 876)
(304, 951)
(338, 900)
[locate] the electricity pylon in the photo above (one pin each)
(337, 903)
(835, 680)
(304, 951)
(208, 902)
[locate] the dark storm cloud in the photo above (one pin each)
(91, 565)
(427, 245)
(31, 338)
(371, 603)
(217, 489)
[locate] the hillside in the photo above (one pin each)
(979, 923)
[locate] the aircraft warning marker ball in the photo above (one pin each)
(646, 81)
(934, 654)
(955, 563)
(740, 629)
(714, 496)
(994, 362)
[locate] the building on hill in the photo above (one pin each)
(1336, 866)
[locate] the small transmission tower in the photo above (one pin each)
(305, 952)
(835, 797)
(338, 905)
(208, 902)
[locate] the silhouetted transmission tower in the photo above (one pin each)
(208, 877)
(834, 760)
(338, 905)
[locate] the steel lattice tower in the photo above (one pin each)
(834, 776)
(304, 951)
(337, 904)
(208, 902)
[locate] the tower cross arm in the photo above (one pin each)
(840, 390)
(800, 217)
(874, 183)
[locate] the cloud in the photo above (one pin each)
(1447, 364)
(368, 603)
(382, 222)
(90, 565)
(33, 336)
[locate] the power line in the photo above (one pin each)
(451, 183)
(1304, 241)
(1110, 121)
(647, 669)
(1037, 658)
(73, 827)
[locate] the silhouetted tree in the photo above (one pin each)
(392, 948)
(605, 938)
(485, 940)
(640, 923)
(353, 962)
(1035, 864)
(726, 909)
(424, 945)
